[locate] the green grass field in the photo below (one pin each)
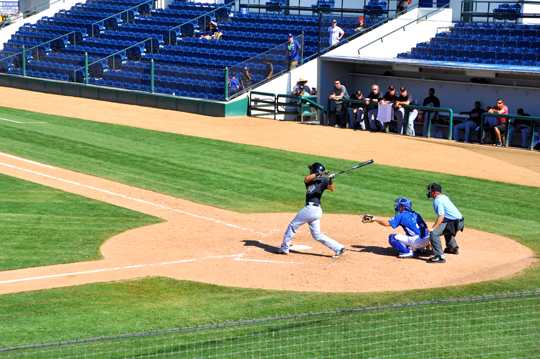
(236, 177)
(44, 226)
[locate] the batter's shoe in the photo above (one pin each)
(437, 259)
(451, 250)
(339, 253)
(409, 254)
(281, 251)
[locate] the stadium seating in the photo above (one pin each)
(500, 44)
(137, 35)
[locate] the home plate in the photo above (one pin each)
(299, 247)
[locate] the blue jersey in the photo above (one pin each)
(412, 223)
(444, 207)
(293, 51)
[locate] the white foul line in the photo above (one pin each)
(238, 257)
(5, 119)
(25, 160)
(93, 271)
(133, 199)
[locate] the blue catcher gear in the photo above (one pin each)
(405, 202)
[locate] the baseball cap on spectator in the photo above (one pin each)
(245, 68)
(360, 18)
(391, 88)
(290, 35)
(403, 89)
(334, 21)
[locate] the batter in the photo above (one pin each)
(312, 212)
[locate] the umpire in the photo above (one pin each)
(448, 223)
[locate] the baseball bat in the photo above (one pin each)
(355, 167)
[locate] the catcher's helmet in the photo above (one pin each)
(433, 187)
(316, 168)
(405, 202)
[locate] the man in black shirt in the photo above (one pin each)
(245, 79)
(312, 212)
(431, 101)
(405, 98)
(389, 98)
(519, 126)
(357, 113)
(269, 68)
(475, 116)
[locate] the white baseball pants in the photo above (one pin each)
(311, 215)
(414, 242)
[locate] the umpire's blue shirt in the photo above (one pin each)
(444, 207)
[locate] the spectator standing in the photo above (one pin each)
(269, 68)
(245, 79)
(357, 113)
(335, 32)
(475, 116)
(405, 99)
(293, 53)
(449, 222)
(500, 128)
(372, 101)
(234, 84)
(340, 91)
(360, 27)
(519, 126)
(431, 101)
(402, 7)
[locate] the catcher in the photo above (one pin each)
(417, 235)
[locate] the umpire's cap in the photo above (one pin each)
(433, 187)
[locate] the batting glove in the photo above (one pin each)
(332, 176)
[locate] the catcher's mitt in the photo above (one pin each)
(368, 218)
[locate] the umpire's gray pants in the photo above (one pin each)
(435, 238)
(310, 215)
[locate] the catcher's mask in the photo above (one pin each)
(316, 168)
(433, 187)
(405, 202)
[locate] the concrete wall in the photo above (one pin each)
(402, 40)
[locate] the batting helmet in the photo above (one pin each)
(433, 187)
(316, 168)
(405, 202)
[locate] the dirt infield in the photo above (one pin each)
(211, 245)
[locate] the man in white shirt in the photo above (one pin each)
(336, 33)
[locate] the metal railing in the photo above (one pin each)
(119, 14)
(407, 108)
(485, 10)
(402, 28)
(533, 120)
(272, 105)
(276, 52)
(170, 31)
